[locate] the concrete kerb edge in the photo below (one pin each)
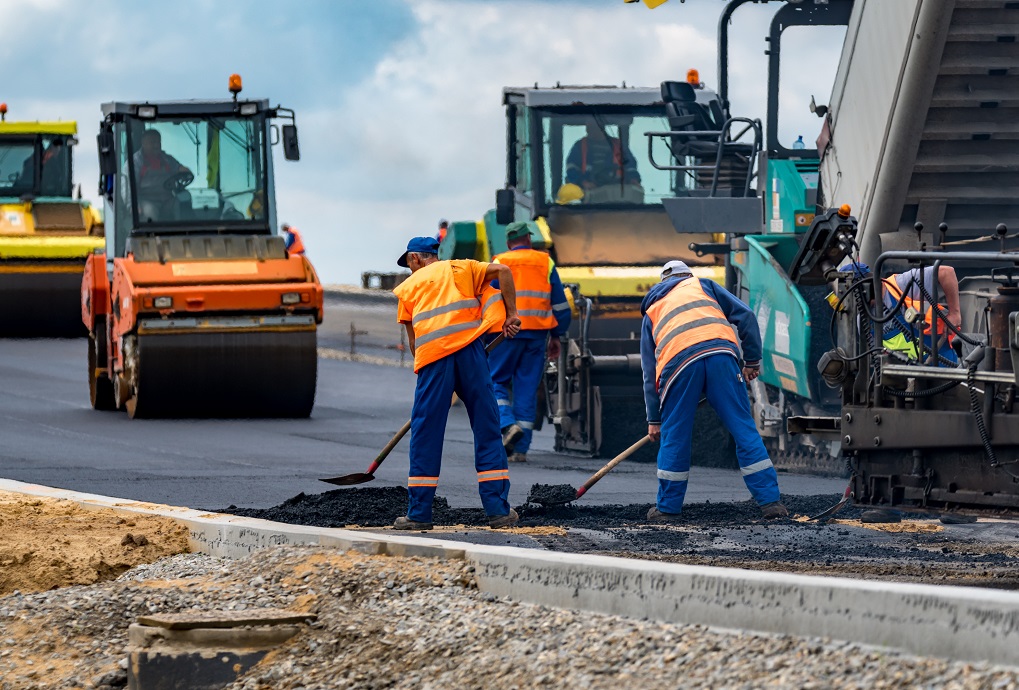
(941, 621)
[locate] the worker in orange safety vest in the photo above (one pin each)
(446, 306)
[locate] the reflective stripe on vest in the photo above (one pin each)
(896, 294)
(444, 319)
(531, 270)
(686, 316)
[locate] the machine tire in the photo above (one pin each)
(100, 388)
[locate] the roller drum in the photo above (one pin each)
(224, 374)
(41, 304)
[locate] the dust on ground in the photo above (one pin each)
(47, 543)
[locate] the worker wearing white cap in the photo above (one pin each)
(688, 350)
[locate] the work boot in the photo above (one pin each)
(770, 511)
(510, 435)
(880, 516)
(408, 524)
(517, 457)
(655, 515)
(501, 521)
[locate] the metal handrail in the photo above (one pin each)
(723, 140)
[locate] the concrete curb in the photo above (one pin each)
(951, 622)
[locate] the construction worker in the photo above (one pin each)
(688, 350)
(295, 245)
(518, 365)
(446, 306)
(901, 336)
(153, 169)
(443, 229)
(598, 160)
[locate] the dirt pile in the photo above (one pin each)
(47, 543)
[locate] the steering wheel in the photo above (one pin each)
(178, 181)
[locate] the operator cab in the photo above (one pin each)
(585, 146)
(190, 168)
(35, 163)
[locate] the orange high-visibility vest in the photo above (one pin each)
(444, 319)
(683, 318)
(531, 270)
(896, 294)
(297, 246)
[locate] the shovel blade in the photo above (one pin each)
(349, 479)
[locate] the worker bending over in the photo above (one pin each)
(688, 350)
(446, 306)
(518, 365)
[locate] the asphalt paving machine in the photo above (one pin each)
(926, 159)
(577, 171)
(918, 142)
(45, 232)
(196, 308)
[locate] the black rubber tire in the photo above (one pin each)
(100, 388)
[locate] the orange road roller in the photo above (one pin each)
(196, 308)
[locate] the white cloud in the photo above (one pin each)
(423, 136)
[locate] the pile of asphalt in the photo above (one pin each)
(379, 506)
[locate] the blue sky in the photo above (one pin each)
(398, 101)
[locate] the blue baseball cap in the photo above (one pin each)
(419, 245)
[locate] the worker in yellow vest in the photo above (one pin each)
(688, 350)
(517, 366)
(446, 306)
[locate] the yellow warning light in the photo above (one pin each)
(235, 84)
(845, 210)
(693, 77)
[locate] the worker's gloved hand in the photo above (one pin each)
(655, 432)
(554, 349)
(511, 326)
(751, 373)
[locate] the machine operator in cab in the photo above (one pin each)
(154, 169)
(599, 160)
(688, 350)
(446, 306)
(518, 365)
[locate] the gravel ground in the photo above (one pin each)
(412, 623)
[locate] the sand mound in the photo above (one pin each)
(48, 543)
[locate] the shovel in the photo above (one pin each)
(369, 474)
(822, 517)
(564, 493)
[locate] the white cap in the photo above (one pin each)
(675, 268)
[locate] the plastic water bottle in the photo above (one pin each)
(798, 144)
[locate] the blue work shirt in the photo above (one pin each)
(737, 313)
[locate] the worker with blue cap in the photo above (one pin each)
(446, 306)
(688, 350)
(517, 366)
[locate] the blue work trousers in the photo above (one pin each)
(465, 372)
(517, 368)
(718, 376)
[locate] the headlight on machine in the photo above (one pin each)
(162, 302)
(291, 297)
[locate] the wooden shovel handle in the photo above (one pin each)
(612, 463)
(406, 427)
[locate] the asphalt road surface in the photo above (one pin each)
(49, 435)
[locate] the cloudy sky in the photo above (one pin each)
(398, 101)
